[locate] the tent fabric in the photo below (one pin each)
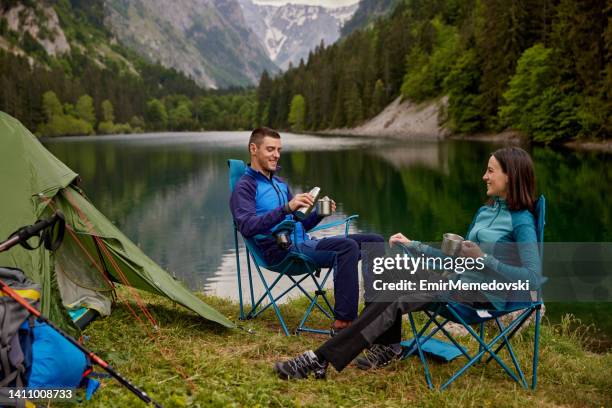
(34, 182)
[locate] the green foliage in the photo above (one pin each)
(106, 128)
(3, 26)
(65, 125)
(425, 72)
(110, 128)
(207, 111)
(137, 123)
(297, 113)
(51, 105)
(353, 107)
(464, 101)
(179, 118)
(107, 111)
(156, 115)
(378, 98)
(534, 103)
(84, 109)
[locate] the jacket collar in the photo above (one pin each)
(499, 202)
(257, 173)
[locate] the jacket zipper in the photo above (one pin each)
(492, 221)
(496, 215)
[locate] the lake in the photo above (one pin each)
(169, 193)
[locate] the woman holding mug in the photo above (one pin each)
(506, 219)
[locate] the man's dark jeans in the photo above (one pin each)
(345, 252)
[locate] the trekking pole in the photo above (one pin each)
(26, 233)
(23, 234)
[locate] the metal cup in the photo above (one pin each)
(451, 244)
(324, 206)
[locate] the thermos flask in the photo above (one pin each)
(303, 212)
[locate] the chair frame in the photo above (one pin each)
(295, 264)
(451, 311)
(506, 333)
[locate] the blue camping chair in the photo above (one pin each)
(296, 266)
(467, 316)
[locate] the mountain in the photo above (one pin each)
(291, 31)
(205, 39)
(368, 11)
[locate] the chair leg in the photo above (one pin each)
(313, 302)
(272, 300)
(250, 277)
(487, 348)
(417, 340)
(305, 292)
(482, 336)
(536, 349)
(413, 348)
(277, 298)
(238, 274)
(506, 342)
(523, 318)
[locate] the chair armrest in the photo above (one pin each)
(346, 221)
(286, 225)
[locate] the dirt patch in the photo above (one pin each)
(402, 120)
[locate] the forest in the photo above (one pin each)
(538, 66)
(541, 67)
(103, 87)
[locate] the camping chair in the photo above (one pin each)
(467, 316)
(296, 266)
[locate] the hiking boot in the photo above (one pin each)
(301, 367)
(378, 355)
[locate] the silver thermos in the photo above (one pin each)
(303, 212)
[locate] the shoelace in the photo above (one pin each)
(379, 354)
(303, 364)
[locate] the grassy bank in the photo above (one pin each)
(233, 367)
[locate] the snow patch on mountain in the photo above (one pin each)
(289, 32)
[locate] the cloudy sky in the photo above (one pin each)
(326, 3)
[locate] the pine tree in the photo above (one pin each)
(52, 105)
(297, 113)
(264, 93)
(108, 111)
(378, 98)
(84, 109)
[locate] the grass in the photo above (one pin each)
(233, 368)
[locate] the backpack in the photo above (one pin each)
(32, 354)
(15, 337)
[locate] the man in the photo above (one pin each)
(261, 200)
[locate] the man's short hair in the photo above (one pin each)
(258, 135)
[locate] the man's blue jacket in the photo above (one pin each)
(258, 204)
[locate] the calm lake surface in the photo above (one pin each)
(169, 193)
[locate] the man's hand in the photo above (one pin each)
(301, 200)
(398, 238)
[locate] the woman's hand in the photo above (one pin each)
(470, 250)
(398, 238)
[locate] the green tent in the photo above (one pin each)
(94, 253)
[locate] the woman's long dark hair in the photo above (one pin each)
(518, 166)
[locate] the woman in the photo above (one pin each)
(506, 219)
